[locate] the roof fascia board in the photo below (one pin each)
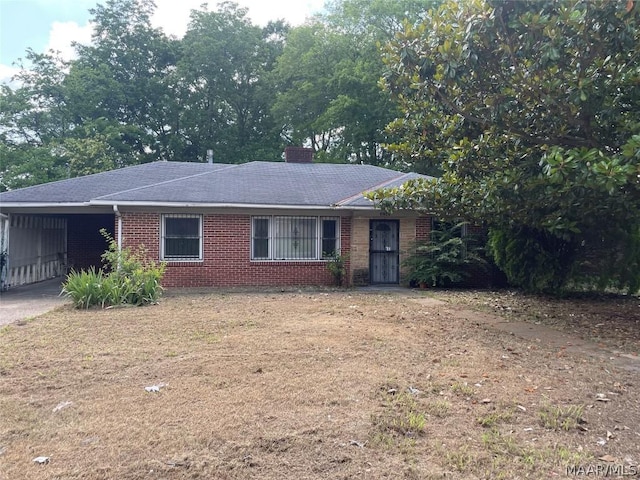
(218, 205)
(58, 209)
(43, 204)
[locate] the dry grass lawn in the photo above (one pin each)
(305, 385)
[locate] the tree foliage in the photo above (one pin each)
(327, 79)
(530, 113)
(135, 95)
(121, 80)
(221, 85)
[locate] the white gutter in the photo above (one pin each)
(106, 203)
(119, 217)
(44, 204)
(216, 205)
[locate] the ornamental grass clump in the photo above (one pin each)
(128, 278)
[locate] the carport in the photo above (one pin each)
(43, 243)
(53, 227)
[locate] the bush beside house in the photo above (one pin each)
(130, 279)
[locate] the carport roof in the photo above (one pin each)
(277, 184)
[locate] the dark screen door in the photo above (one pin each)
(384, 251)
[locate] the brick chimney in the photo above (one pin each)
(298, 155)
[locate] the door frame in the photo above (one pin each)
(396, 225)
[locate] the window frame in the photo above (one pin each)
(163, 228)
(271, 239)
(322, 238)
(254, 238)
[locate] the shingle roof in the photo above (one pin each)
(360, 201)
(84, 189)
(254, 183)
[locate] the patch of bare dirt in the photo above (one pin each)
(608, 320)
(304, 385)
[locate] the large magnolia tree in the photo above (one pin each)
(528, 114)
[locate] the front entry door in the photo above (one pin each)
(384, 251)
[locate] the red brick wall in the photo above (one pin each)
(227, 254)
(141, 229)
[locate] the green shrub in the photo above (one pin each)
(337, 266)
(538, 261)
(446, 259)
(609, 262)
(85, 288)
(131, 279)
(533, 260)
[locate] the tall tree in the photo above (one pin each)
(225, 106)
(34, 120)
(531, 111)
(327, 79)
(122, 77)
(301, 81)
(36, 111)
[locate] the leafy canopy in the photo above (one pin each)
(529, 112)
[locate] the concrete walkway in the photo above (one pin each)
(28, 301)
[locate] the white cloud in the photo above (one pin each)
(173, 17)
(293, 11)
(62, 34)
(6, 73)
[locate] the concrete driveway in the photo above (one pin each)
(28, 301)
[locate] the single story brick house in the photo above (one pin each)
(251, 224)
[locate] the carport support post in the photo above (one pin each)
(5, 223)
(119, 217)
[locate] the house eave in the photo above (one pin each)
(223, 205)
(42, 204)
(51, 208)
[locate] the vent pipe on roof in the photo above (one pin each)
(209, 156)
(298, 155)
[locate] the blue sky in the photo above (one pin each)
(44, 24)
(28, 23)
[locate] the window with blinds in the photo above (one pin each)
(294, 238)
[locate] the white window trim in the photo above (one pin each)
(163, 257)
(271, 244)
